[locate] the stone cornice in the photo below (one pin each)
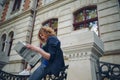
(82, 56)
(44, 8)
(15, 18)
(83, 48)
(115, 52)
(82, 51)
(79, 48)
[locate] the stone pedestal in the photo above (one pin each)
(83, 53)
(3, 59)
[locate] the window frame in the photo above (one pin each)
(16, 6)
(49, 21)
(3, 39)
(11, 35)
(85, 21)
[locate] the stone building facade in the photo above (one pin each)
(73, 21)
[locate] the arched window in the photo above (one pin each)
(3, 42)
(16, 5)
(53, 23)
(86, 17)
(10, 40)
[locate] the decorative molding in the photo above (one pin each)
(87, 46)
(81, 56)
(44, 8)
(7, 30)
(3, 32)
(112, 52)
(82, 48)
(26, 4)
(16, 18)
(4, 13)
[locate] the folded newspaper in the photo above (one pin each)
(28, 55)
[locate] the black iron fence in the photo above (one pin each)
(7, 76)
(108, 71)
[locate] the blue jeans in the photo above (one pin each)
(39, 73)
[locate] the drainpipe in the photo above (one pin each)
(33, 14)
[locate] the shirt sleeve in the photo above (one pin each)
(53, 44)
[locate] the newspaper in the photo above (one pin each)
(28, 55)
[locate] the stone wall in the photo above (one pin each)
(109, 22)
(20, 24)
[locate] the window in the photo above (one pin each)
(119, 2)
(10, 40)
(86, 17)
(16, 5)
(3, 41)
(53, 23)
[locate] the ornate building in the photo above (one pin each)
(78, 24)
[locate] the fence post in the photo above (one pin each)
(83, 55)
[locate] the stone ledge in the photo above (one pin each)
(84, 42)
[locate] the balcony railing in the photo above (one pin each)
(8, 76)
(108, 71)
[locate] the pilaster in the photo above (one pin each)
(84, 56)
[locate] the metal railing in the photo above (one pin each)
(62, 75)
(108, 71)
(7, 76)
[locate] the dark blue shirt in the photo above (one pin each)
(44, 61)
(56, 61)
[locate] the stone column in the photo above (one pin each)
(83, 51)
